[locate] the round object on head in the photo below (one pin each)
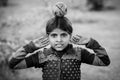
(60, 9)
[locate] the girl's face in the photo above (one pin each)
(59, 39)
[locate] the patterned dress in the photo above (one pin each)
(62, 65)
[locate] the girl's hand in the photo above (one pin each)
(41, 42)
(80, 40)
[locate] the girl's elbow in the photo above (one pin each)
(13, 63)
(11, 66)
(108, 62)
(14, 67)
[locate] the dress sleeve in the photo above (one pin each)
(98, 58)
(32, 60)
(18, 59)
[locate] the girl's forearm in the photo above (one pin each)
(101, 57)
(17, 57)
(20, 55)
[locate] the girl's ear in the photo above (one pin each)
(47, 35)
(70, 36)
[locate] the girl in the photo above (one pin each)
(62, 60)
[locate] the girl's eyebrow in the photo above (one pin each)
(53, 33)
(64, 33)
(57, 33)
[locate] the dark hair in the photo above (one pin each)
(62, 23)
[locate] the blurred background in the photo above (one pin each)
(25, 20)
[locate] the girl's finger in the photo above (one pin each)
(78, 36)
(42, 38)
(45, 42)
(75, 39)
(43, 45)
(39, 39)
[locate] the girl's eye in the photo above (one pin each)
(53, 35)
(64, 35)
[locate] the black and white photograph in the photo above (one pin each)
(59, 39)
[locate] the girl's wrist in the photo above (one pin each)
(30, 47)
(93, 44)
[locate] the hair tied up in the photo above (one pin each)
(59, 9)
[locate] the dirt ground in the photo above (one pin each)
(25, 20)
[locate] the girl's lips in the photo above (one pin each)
(59, 45)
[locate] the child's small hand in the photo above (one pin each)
(41, 42)
(80, 40)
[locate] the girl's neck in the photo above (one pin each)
(60, 53)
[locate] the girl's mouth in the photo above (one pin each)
(59, 45)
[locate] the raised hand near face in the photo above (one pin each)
(80, 40)
(41, 42)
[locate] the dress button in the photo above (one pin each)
(66, 63)
(72, 72)
(64, 77)
(68, 72)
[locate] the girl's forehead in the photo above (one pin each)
(57, 30)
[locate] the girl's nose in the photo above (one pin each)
(59, 39)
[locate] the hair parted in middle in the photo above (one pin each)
(62, 23)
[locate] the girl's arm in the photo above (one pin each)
(20, 60)
(99, 58)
